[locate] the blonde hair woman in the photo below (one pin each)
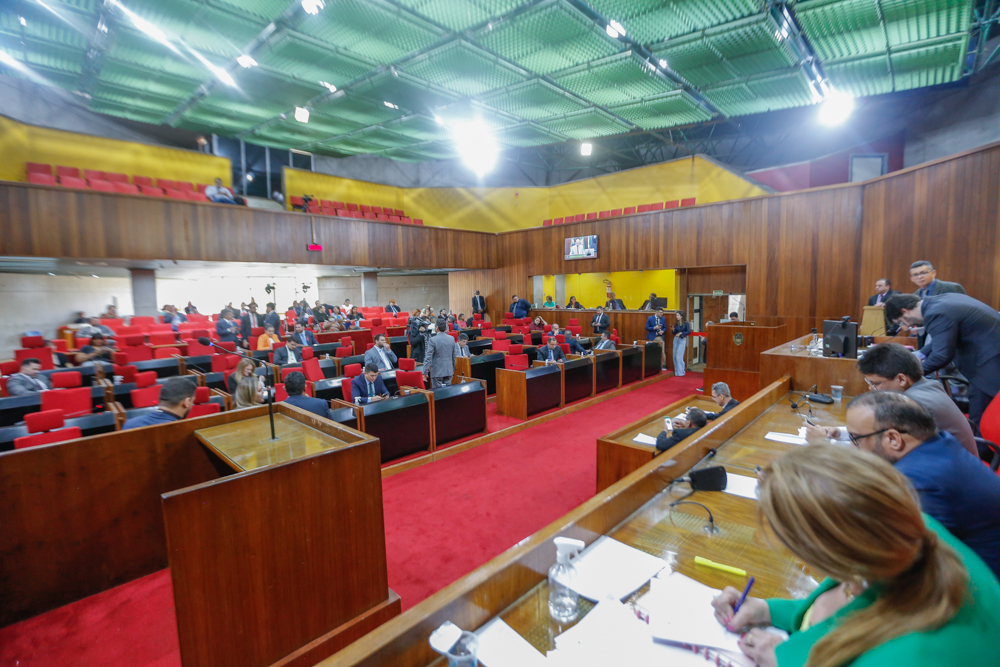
(247, 393)
(902, 590)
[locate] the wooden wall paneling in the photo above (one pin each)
(729, 279)
(267, 561)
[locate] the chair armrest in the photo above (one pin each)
(986, 447)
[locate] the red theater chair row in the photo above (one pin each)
(349, 210)
(614, 213)
(101, 181)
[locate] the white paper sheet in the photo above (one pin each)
(786, 438)
(680, 612)
(609, 568)
(644, 439)
(741, 485)
(501, 646)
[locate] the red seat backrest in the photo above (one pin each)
(48, 438)
(194, 348)
(142, 180)
(66, 380)
(516, 361)
(515, 349)
(73, 402)
(145, 379)
(124, 188)
(204, 409)
(501, 345)
(93, 173)
(101, 186)
(72, 172)
(312, 371)
(32, 341)
(127, 373)
(410, 379)
(46, 420)
(407, 364)
(73, 182)
(565, 347)
(574, 321)
(116, 177)
(162, 338)
(989, 423)
(41, 179)
(288, 370)
(166, 352)
(38, 168)
(146, 397)
(43, 357)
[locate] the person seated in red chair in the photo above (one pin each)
(605, 343)
(462, 347)
(551, 352)
(98, 350)
(28, 380)
(291, 353)
(94, 326)
(176, 400)
(303, 337)
(369, 387)
(219, 193)
(295, 386)
(381, 355)
(574, 345)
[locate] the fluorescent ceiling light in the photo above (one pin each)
(836, 108)
(586, 149)
(439, 120)
(246, 61)
(476, 146)
(23, 22)
(389, 104)
(302, 114)
(312, 6)
(329, 86)
(663, 63)
(219, 73)
(615, 29)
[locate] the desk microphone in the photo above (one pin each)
(270, 395)
(707, 479)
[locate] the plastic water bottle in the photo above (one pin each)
(564, 603)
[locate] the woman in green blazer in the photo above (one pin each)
(902, 590)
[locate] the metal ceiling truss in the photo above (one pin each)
(544, 75)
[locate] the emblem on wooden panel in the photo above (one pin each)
(738, 338)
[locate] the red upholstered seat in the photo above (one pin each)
(41, 179)
(142, 180)
(127, 372)
(48, 438)
(125, 188)
(407, 364)
(576, 331)
(201, 187)
(166, 183)
(547, 328)
(116, 177)
(671, 204)
(224, 362)
(515, 348)
(574, 321)
(101, 186)
(185, 186)
(580, 217)
(643, 208)
(73, 402)
(501, 345)
(162, 338)
(145, 379)
(547, 223)
(297, 202)
(146, 397)
(418, 221)
(150, 191)
(410, 379)
(288, 370)
(38, 168)
(352, 207)
(32, 341)
(202, 395)
(73, 182)
(227, 345)
(94, 174)
(174, 193)
(72, 172)
(517, 362)
(688, 202)
(196, 349)
(365, 208)
(66, 380)
(565, 347)
(312, 371)
(204, 409)
(628, 210)
(658, 206)
(34, 353)
(46, 420)
(166, 352)
(376, 209)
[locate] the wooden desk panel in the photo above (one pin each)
(607, 371)
(734, 351)
(631, 324)
(805, 371)
(521, 394)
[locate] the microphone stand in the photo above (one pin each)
(270, 376)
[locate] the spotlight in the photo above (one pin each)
(586, 149)
(836, 108)
(250, 177)
(476, 146)
(302, 114)
(312, 6)
(202, 141)
(246, 61)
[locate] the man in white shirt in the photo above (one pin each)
(380, 355)
(219, 193)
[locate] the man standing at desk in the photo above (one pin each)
(924, 276)
(551, 352)
(601, 322)
(962, 329)
(479, 304)
(380, 355)
(439, 362)
(722, 398)
(613, 303)
(226, 328)
(519, 307)
(369, 387)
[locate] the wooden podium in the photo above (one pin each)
(872, 321)
(734, 355)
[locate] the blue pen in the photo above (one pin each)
(746, 591)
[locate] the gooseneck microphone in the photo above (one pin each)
(270, 374)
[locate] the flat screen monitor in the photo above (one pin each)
(840, 339)
(581, 247)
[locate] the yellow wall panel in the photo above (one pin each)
(632, 287)
(20, 143)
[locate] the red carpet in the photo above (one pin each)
(443, 520)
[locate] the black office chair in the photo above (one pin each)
(962, 400)
(989, 452)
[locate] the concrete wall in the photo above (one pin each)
(43, 303)
(409, 291)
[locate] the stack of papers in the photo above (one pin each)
(681, 613)
(741, 485)
(610, 569)
(644, 439)
(787, 438)
(500, 646)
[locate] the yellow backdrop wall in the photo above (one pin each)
(632, 287)
(20, 143)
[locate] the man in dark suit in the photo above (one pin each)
(656, 326)
(295, 385)
(250, 321)
(272, 317)
(722, 398)
(601, 322)
(551, 351)
(290, 353)
(650, 303)
(613, 303)
(883, 290)
(479, 304)
(961, 329)
(369, 387)
(574, 345)
(680, 428)
(227, 327)
(519, 307)
(924, 277)
(303, 337)
(393, 309)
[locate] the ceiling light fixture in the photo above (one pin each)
(329, 86)
(219, 73)
(663, 63)
(836, 108)
(389, 104)
(93, 275)
(615, 30)
(145, 26)
(312, 6)
(51, 274)
(23, 22)
(302, 114)
(586, 149)
(246, 61)
(250, 178)
(476, 146)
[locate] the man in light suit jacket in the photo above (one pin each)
(28, 380)
(439, 360)
(462, 347)
(601, 322)
(479, 304)
(303, 337)
(519, 307)
(295, 385)
(380, 355)
(613, 303)
(961, 329)
(227, 327)
(605, 343)
(369, 387)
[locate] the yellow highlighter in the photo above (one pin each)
(719, 566)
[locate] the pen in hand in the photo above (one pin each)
(743, 597)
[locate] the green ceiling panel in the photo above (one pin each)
(533, 100)
(198, 25)
(404, 91)
(528, 134)
(228, 121)
(459, 15)
(297, 56)
(662, 111)
(841, 28)
(129, 76)
(376, 30)
(929, 65)
(649, 21)
(420, 128)
(260, 94)
(357, 109)
(909, 21)
(466, 110)
(385, 138)
(349, 145)
(264, 9)
(129, 112)
(328, 126)
(695, 59)
(548, 38)
(49, 57)
(614, 80)
(464, 69)
(286, 133)
(860, 77)
(131, 48)
(768, 92)
(586, 124)
(41, 28)
(441, 150)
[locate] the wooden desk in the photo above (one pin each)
(483, 367)
(618, 455)
(734, 351)
(805, 371)
(248, 445)
(459, 411)
(607, 370)
(635, 511)
(632, 363)
(402, 425)
(521, 394)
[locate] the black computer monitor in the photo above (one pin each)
(840, 339)
(659, 302)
